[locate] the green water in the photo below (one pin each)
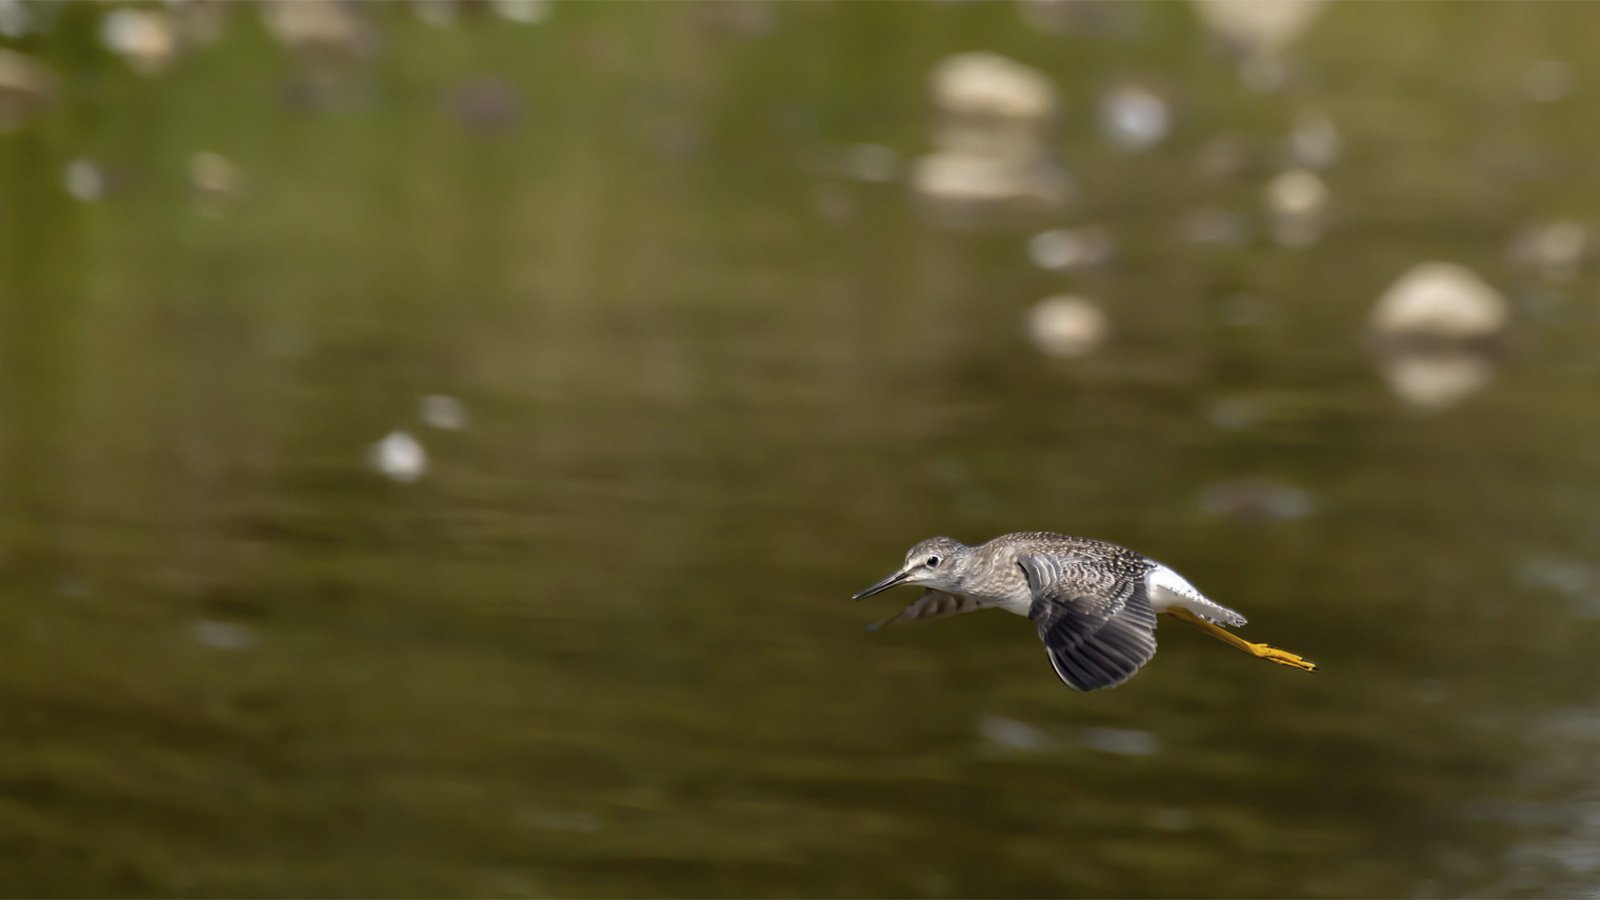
(604, 646)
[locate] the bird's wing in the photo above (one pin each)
(932, 605)
(1096, 623)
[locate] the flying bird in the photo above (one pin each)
(1094, 603)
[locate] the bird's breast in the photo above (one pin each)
(1000, 586)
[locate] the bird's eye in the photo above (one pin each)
(933, 561)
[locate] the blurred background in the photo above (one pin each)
(438, 442)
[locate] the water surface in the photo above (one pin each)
(715, 382)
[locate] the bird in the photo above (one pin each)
(1094, 603)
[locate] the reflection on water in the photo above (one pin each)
(1436, 330)
(438, 441)
(994, 154)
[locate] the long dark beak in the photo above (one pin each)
(882, 586)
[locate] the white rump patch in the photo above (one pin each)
(1163, 578)
(1167, 588)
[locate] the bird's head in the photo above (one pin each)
(936, 563)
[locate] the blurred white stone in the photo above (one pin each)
(1557, 250)
(1548, 81)
(442, 412)
(1442, 302)
(1435, 379)
(15, 20)
(993, 152)
(1296, 202)
(398, 456)
(1298, 193)
(1066, 326)
(326, 29)
(987, 84)
(527, 12)
(1133, 117)
(1062, 249)
(85, 180)
(223, 635)
(1259, 26)
(1314, 141)
(1434, 330)
(146, 38)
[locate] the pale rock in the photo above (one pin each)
(1064, 249)
(1133, 117)
(987, 84)
(1440, 301)
(1066, 326)
(1259, 26)
(1296, 204)
(85, 180)
(1298, 193)
(16, 20)
(326, 29)
(399, 457)
(146, 38)
(526, 12)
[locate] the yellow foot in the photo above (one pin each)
(1260, 651)
(1282, 657)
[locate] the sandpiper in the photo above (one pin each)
(1094, 603)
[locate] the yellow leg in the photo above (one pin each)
(1260, 651)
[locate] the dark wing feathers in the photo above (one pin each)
(931, 605)
(1095, 619)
